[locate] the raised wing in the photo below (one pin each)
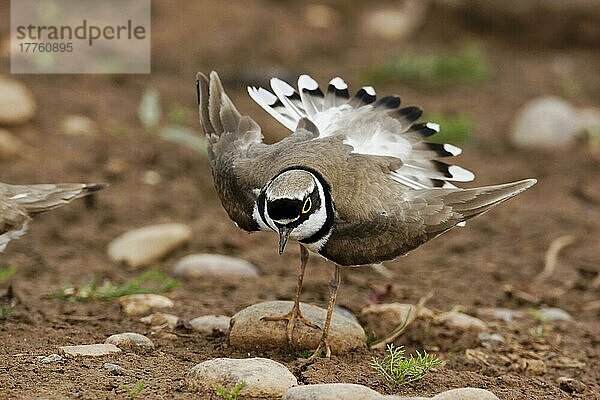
(372, 127)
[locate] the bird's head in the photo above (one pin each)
(296, 204)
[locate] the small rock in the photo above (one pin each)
(554, 314)
(151, 178)
(213, 265)
(397, 23)
(466, 394)
(78, 125)
(207, 324)
(138, 304)
(158, 319)
(546, 123)
(10, 145)
(50, 359)
(462, 321)
(530, 366)
(381, 319)
(331, 391)
(143, 246)
(320, 16)
(129, 340)
(503, 314)
(93, 350)
(249, 333)
(114, 369)
(17, 104)
(263, 377)
(570, 385)
(344, 312)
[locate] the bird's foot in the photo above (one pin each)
(291, 318)
(323, 345)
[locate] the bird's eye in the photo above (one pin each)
(307, 206)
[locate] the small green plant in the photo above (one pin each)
(6, 273)
(152, 281)
(399, 370)
(6, 311)
(467, 65)
(303, 353)
(233, 393)
(134, 391)
(455, 129)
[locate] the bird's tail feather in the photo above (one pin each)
(44, 197)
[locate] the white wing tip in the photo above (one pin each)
(280, 86)
(370, 90)
(338, 83)
(306, 82)
(460, 174)
(452, 149)
(433, 125)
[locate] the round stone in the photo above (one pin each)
(262, 377)
(466, 394)
(143, 246)
(129, 340)
(158, 319)
(10, 145)
(139, 304)
(214, 265)
(331, 391)
(17, 104)
(249, 332)
(462, 321)
(207, 324)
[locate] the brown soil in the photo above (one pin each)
(473, 267)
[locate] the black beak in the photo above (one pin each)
(284, 233)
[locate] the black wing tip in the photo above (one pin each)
(390, 102)
(364, 97)
(411, 113)
(94, 187)
(424, 129)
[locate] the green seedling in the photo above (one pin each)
(454, 129)
(233, 393)
(134, 391)
(6, 273)
(399, 370)
(467, 65)
(153, 281)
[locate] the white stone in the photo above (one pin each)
(143, 246)
(320, 16)
(17, 104)
(331, 391)
(262, 377)
(158, 319)
(208, 324)
(248, 332)
(92, 350)
(10, 145)
(466, 394)
(504, 314)
(114, 369)
(50, 359)
(554, 314)
(78, 125)
(129, 340)
(546, 122)
(214, 265)
(396, 23)
(462, 321)
(137, 304)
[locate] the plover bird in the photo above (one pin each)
(18, 203)
(356, 181)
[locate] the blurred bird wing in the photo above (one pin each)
(44, 197)
(372, 127)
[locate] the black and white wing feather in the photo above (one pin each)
(371, 126)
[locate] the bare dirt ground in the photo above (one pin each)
(473, 267)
